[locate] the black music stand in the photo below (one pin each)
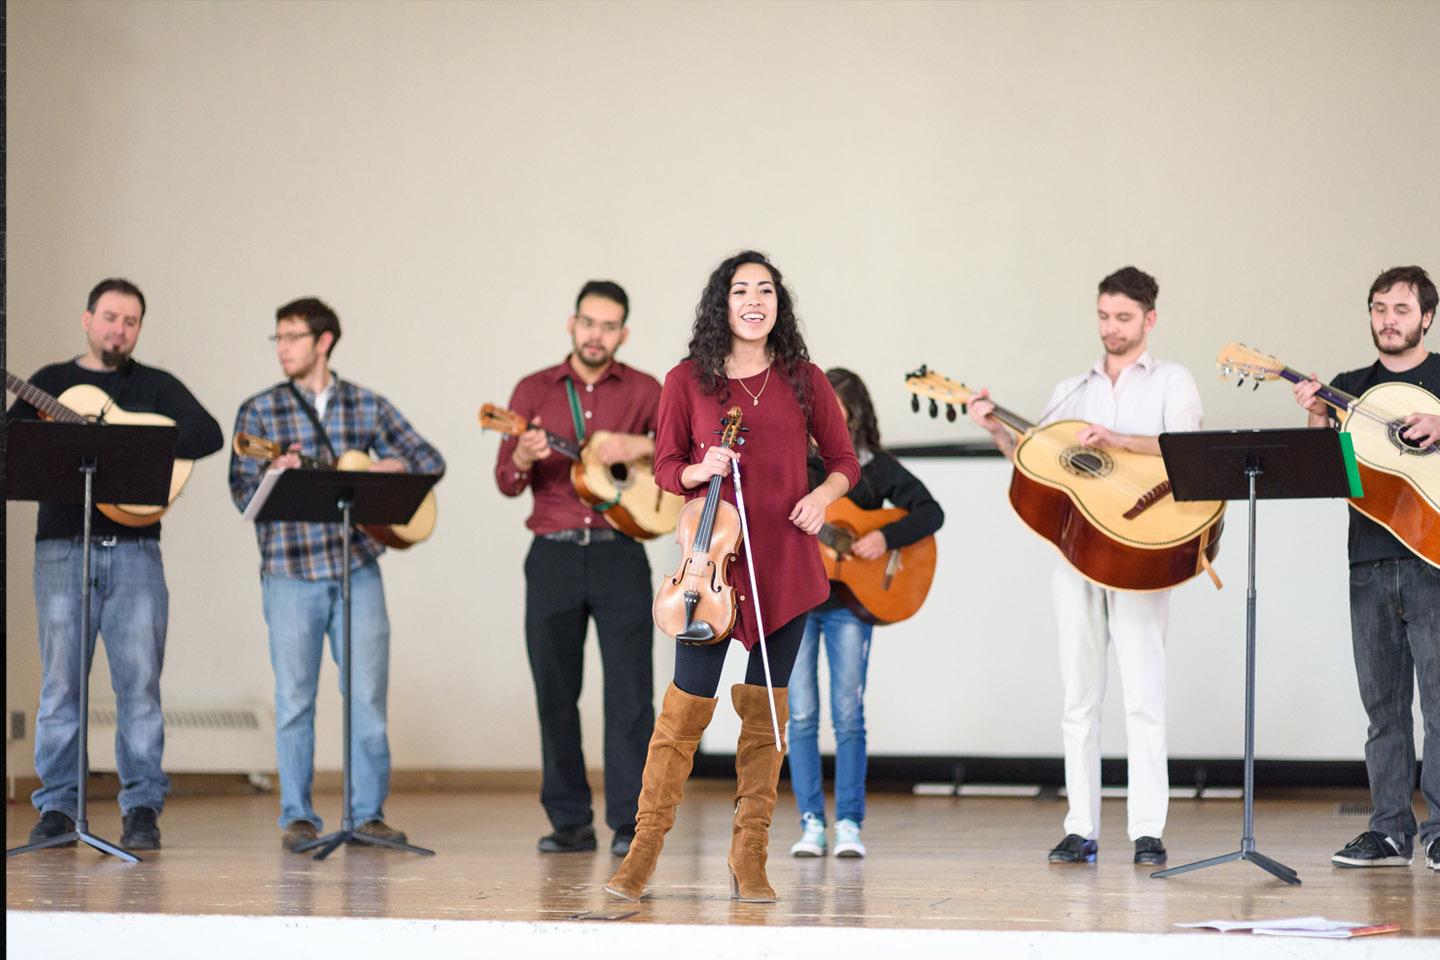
(347, 498)
(82, 463)
(1256, 464)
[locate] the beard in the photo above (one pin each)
(1120, 347)
(594, 364)
(1408, 341)
(114, 358)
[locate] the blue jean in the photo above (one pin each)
(129, 608)
(1395, 630)
(847, 650)
(300, 614)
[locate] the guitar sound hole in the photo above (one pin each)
(620, 473)
(1404, 444)
(1086, 462)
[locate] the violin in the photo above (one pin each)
(696, 605)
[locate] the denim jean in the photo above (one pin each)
(847, 651)
(1395, 630)
(129, 608)
(300, 615)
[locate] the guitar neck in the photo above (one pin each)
(565, 447)
(1338, 399)
(41, 400)
(1012, 420)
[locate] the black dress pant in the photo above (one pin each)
(565, 585)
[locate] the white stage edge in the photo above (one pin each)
(58, 935)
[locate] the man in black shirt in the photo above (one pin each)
(1394, 593)
(129, 602)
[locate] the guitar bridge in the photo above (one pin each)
(1147, 501)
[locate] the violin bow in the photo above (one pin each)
(755, 592)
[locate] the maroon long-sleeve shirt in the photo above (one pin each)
(774, 477)
(623, 401)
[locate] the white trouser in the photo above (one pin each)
(1089, 618)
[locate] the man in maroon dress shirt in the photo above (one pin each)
(580, 567)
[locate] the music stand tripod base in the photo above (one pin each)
(332, 841)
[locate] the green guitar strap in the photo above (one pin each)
(579, 419)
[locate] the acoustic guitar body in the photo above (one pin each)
(1401, 481)
(627, 494)
(1110, 512)
(400, 536)
(891, 587)
(90, 402)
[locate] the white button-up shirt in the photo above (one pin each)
(1150, 397)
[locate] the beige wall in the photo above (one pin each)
(941, 183)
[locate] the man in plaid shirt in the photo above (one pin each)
(300, 567)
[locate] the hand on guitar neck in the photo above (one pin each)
(292, 460)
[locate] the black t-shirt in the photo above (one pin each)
(1369, 541)
(135, 388)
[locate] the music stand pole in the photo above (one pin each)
(82, 833)
(347, 832)
(1247, 849)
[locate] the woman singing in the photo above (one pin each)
(745, 349)
(847, 637)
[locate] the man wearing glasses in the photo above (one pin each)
(316, 414)
(579, 567)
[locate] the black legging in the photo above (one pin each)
(697, 669)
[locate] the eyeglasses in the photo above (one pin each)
(288, 337)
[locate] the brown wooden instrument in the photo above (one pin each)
(401, 536)
(889, 588)
(1400, 477)
(84, 403)
(696, 604)
(625, 494)
(1109, 512)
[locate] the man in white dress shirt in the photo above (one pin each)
(1129, 398)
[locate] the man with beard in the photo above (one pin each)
(315, 413)
(579, 567)
(1129, 398)
(1394, 594)
(130, 604)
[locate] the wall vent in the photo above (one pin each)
(198, 739)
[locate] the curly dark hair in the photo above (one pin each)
(710, 338)
(859, 410)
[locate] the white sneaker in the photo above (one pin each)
(812, 841)
(847, 839)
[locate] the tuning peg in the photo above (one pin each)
(914, 403)
(739, 441)
(1255, 386)
(1240, 382)
(934, 409)
(950, 412)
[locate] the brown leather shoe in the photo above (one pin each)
(683, 718)
(757, 772)
(298, 834)
(381, 830)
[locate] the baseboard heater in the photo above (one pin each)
(199, 739)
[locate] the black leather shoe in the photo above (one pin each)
(568, 840)
(1150, 851)
(1074, 849)
(52, 824)
(139, 829)
(621, 844)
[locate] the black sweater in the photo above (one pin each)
(882, 479)
(135, 388)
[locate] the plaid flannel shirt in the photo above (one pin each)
(355, 419)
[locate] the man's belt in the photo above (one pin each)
(583, 536)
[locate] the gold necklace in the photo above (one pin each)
(755, 397)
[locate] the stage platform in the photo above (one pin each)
(944, 874)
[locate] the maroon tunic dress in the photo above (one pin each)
(772, 470)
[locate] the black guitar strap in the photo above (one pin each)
(315, 419)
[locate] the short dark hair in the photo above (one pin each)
(317, 316)
(1418, 280)
(115, 285)
(608, 289)
(1133, 283)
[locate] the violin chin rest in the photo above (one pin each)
(698, 633)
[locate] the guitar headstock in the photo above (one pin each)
(502, 421)
(939, 389)
(255, 448)
(1236, 359)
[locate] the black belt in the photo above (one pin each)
(583, 536)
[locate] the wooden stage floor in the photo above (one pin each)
(937, 863)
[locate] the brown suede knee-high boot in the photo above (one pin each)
(757, 771)
(683, 718)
